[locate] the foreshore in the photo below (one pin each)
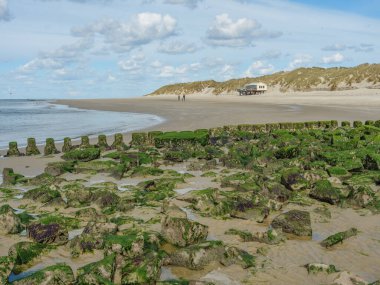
(207, 111)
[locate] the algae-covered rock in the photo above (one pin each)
(67, 145)
(43, 194)
(348, 278)
(118, 142)
(11, 178)
(6, 266)
(294, 222)
(10, 223)
(324, 191)
(13, 149)
(183, 232)
(58, 274)
(198, 256)
(32, 148)
(339, 237)
(102, 142)
(372, 161)
(145, 270)
(85, 154)
(59, 168)
(48, 234)
(100, 228)
(50, 147)
(24, 252)
(314, 268)
(269, 237)
(293, 179)
(97, 273)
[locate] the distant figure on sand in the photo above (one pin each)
(184, 98)
(179, 97)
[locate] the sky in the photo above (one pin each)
(126, 48)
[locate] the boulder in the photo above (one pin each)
(53, 275)
(100, 228)
(339, 237)
(294, 222)
(183, 232)
(32, 148)
(13, 149)
(293, 180)
(43, 194)
(24, 252)
(82, 154)
(59, 168)
(9, 177)
(348, 278)
(48, 234)
(170, 209)
(10, 223)
(198, 256)
(98, 273)
(50, 147)
(84, 142)
(324, 191)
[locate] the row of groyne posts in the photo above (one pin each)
(50, 147)
(139, 139)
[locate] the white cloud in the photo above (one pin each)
(124, 36)
(335, 58)
(300, 60)
(259, 68)
(177, 47)
(171, 71)
(357, 48)
(133, 65)
(239, 33)
(189, 3)
(4, 11)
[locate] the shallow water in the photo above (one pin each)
(20, 119)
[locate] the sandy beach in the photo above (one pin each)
(279, 264)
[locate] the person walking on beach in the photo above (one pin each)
(184, 98)
(179, 97)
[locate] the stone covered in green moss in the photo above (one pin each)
(32, 148)
(294, 222)
(97, 273)
(67, 145)
(293, 179)
(339, 237)
(183, 232)
(43, 194)
(24, 252)
(50, 147)
(13, 149)
(139, 139)
(11, 178)
(59, 168)
(324, 191)
(10, 223)
(86, 154)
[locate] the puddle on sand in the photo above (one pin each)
(19, 196)
(317, 237)
(27, 273)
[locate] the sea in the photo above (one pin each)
(41, 119)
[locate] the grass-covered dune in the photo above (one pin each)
(301, 79)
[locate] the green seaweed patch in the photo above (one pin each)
(66, 222)
(82, 154)
(339, 237)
